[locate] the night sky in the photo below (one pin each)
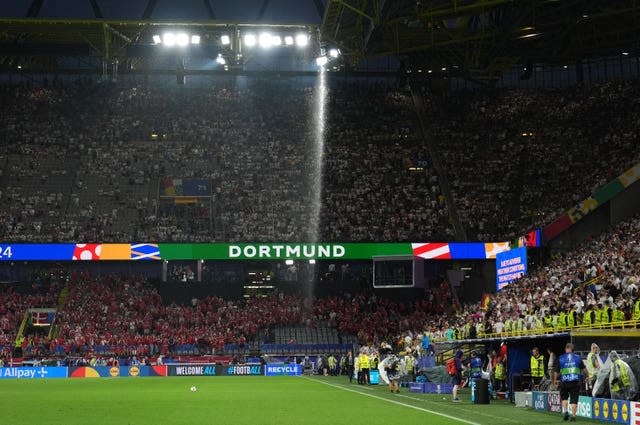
(280, 11)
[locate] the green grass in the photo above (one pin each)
(241, 400)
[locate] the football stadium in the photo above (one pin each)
(319, 212)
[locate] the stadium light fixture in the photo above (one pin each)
(321, 61)
(444, 68)
(334, 53)
(288, 40)
(276, 40)
(264, 40)
(182, 39)
(302, 40)
(195, 39)
(312, 261)
(250, 40)
(625, 53)
(289, 262)
(221, 60)
(225, 40)
(157, 39)
(169, 39)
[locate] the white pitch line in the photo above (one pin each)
(395, 402)
(460, 408)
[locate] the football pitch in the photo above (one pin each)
(244, 401)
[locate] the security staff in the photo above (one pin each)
(364, 368)
(350, 364)
(537, 367)
(569, 369)
(500, 374)
(636, 310)
(593, 364)
(619, 378)
(588, 317)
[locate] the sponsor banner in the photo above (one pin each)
(416, 387)
(554, 404)
(115, 371)
(214, 370)
(540, 401)
(283, 370)
(431, 388)
(250, 251)
(33, 372)
(616, 411)
(585, 407)
(510, 265)
(635, 413)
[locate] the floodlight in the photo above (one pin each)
(195, 39)
(321, 60)
(276, 40)
(265, 40)
(288, 40)
(182, 39)
(250, 40)
(169, 39)
(312, 261)
(302, 40)
(157, 39)
(334, 53)
(289, 262)
(221, 60)
(225, 40)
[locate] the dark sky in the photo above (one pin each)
(303, 11)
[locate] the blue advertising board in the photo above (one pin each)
(615, 411)
(374, 377)
(510, 265)
(283, 370)
(540, 400)
(33, 372)
(431, 388)
(416, 387)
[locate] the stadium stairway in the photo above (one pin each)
(418, 103)
(54, 329)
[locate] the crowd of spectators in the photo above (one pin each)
(599, 279)
(517, 159)
(87, 162)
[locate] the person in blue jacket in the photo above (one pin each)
(569, 369)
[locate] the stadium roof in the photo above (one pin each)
(477, 38)
(483, 35)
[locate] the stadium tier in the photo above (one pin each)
(366, 212)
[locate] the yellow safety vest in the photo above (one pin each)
(364, 362)
(618, 315)
(547, 322)
(606, 315)
(500, 372)
(624, 377)
(537, 366)
(586, 320)
(562, 321)
(410, 364)
(598, 316)
(571, 322)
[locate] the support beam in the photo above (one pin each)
(148, 11)
(96, 9)
(263, 8)
(34, 8)
(207, 5)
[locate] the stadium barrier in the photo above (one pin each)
(627, 324)
(605, 410)
(283, 370)
(33, 372)
(116, 371)
(214, 370)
